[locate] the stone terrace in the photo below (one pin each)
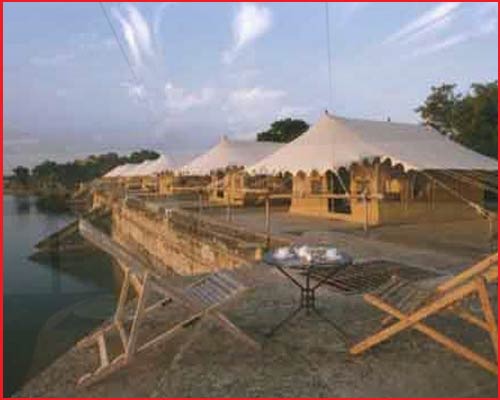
(307, 358)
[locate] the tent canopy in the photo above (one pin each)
(114, 172)
(154, 167)
(335, 142)
(139, 169)
(164, 163)
(229, 153)
(124, 170)
(147, 167)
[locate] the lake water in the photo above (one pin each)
(48, 304)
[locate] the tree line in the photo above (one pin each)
(50, 174)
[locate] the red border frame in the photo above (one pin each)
(1, 159)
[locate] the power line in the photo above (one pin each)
(120, 45)
(147, 102)
(329, 56)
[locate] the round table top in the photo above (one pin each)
(318, 258)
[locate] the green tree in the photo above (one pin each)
(283, 131)
(21, 174)
(476, 119)
(470, 119)
(51, 175)
(45, 170)
(142, 155)
(439, 108)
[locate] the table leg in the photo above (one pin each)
(339, 330)
(319, 314)
(308, 302)
(308, 293)
(284, 321)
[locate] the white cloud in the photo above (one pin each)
(91, 41)
(293, 112)
(52, 61)
(136, 32)
(242, 76)
(426, 21)
(77, 44)
(251, 22)
(441, 45)
(135, 91)
(251, 109)
(430, 29)
(158, 16)
(178, 99)
(426, 32)
(254, 95)
(141, 29)
(487, 27)
(128, 33)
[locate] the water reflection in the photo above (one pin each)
(22, 204)
(51, 301)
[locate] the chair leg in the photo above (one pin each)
(425, 329)
(407, 321)
(488, 313)
(139, 311)
(100, 373)
(123, 297)
(470, 318)
(227, 325)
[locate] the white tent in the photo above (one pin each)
(148, 167)
(335, 142)
(161, 164)
(141, 169)
(115, 172)
(229, 153)
(129, 170)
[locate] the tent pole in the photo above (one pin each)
(228, 188)
(407, 191)
(200, 205)
(433, 195)
(268, 221)
(229, 214)
(492, 225)
(365, 204)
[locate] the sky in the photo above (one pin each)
(175, 77)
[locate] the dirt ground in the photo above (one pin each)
(308, 357)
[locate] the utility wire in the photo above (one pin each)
(120, 45)
(329, 55)
(147, 102)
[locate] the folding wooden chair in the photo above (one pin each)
(409, 305)
(203, 299)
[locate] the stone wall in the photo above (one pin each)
(182, 240)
